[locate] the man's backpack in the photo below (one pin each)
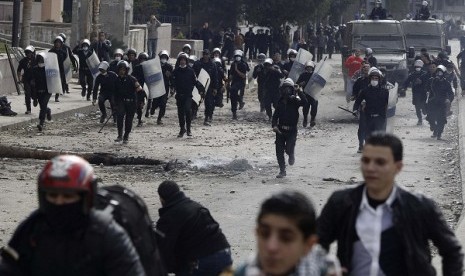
(130, 211)
(5, 107)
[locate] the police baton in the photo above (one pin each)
(106, 122)
(345, 109)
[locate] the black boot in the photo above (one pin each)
(281, 174)
(139, 124)
(234, 116)
(312, 122)
(181, 133)
(126, 138)
(56, 98)
(49, 114)
(304, 123)
(291, 159)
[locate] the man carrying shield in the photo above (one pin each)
(62, 54)
(40, 92)
(312, 103)
(86, 79)
(106, 81)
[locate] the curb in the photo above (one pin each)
(460, 229)
(60, 115)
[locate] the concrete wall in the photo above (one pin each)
(7, 84)
(41, 31)
(6, 11)
(177, 44)
(51, 10)
(138, 38)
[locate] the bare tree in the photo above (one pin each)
(95, 19)
(26, 25)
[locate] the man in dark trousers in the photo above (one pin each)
(207, 64)
(184, 81)
(102, 47)
(62, 54)
(138, 73)
(206, 35)
(24, 73)
(259, 75)
(237, 75)
(86, 80)
(74, 61)
(312, 103)
(382, 229)
(106, 81)
(249, 41)
(160, 102)
(193, 243)
(272, 80)
(285, 119)
(39, 91)
(461, 65)
(361, 84)
(126, 94)
(419, 79)
(441, 95)
(376, 97)
(66, 235)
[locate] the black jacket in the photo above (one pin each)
(287, 109)
(376, 100)
(82, 56)
(106, 84)
(359, 85)
(100, 247)
(259, 74)
(190, 232)
(304, 78)
(210, 68)
(102, 49)
(378, 13)
(184, 81)
(62, 54)
(26, 64)
(416, 218)
(441, 91)
(167, 70)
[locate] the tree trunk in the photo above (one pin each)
(92, 157)
(95, 19)
(26, 25)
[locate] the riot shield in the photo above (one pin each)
(391, 110)
(153, 76)
(68, 68)
(298, 67)
(204, 79)
(319, 78)
(93, 62)
(52, 73)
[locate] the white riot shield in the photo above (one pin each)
(204, 79)
(153, 76)
(77, 60)
(298, 67)
(68, 68)
(93, 62)
(391, 110)
(319, 78)
(52, 73)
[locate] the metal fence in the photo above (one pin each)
(175, 20)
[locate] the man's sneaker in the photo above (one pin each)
(434, 135)
(206, 123)
(49, 114)
(234, 116)
(83, 93)
(359, 150)
(241, 105)
(281, 174)
(125, 140)
(181, 133)
(139, 124)
(102, 118)
(189, 133)
(56, 99)
(40, 127)
(27, 112)
(439, 137)
(159, 122)
(119, 139)
(291, 159)
(312, 123)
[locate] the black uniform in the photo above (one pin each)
(221, 69)
(461, 59)
(98, 247)
(26, 64)
(210, 68)
(126, 104)
(287, 67)
(62, 54)
(249, 41)
(40, 93)
(423, 13)
(103, 50)
(419, 81)
(190, 234)
(312, 103)
(361, 84)
(378, 13)
(114, 66)
(228, 47)
(259, 74)
(160, 102)
(138, 73)
(107, 87)
(286, 117)
(272, 81)
(85, 76)
(376, 99)
(237, 83)
(184, 81)
(440, 92)
(372, 61)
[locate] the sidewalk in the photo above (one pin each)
(69, 105)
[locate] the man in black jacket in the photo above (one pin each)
(382, 229)
(284, 123)
(312, 103)
(209, 66)
(62, 54)
(419, 79)
(106, 81)
(66, 235)
(24, 73)
(193, 243)
(86, 80)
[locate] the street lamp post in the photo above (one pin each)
(15, 25)
(190, 18)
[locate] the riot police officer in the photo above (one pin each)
(62, 54)
(237, 75)
(312, 103)
(73, 60)
(86, 79)
(284, 123)
(40, 92)
(291, 54)
(272, 80)
(160, 102)
(126, 93)
(209, 66)
(259, 75)
(359, 85)
(117, 56)
(24, 73)
(419, 80)
(249, 40)
(378, 11)
(106, 81)
(440, 96)
(131, 53)
(376, 97)
(138, 73)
